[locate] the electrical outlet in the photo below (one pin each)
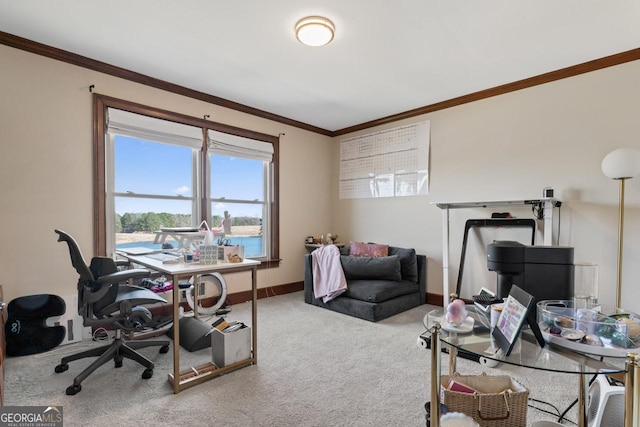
(201, 292)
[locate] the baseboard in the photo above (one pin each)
(434, 299)
(233, 298)
(271, 291)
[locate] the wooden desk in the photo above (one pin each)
(546, 205)
(184, 271)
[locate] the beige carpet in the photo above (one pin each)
(315, 368)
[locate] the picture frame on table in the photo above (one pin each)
(517, 310)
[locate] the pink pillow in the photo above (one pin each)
(368, 249)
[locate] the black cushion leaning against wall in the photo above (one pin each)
(408, 262)
(26, 329)
(381, 268)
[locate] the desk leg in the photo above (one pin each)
(176, 335)
(254, 313)
(434, 420)
(548, 222)
(631, 392)
(196, 294)
(445, 258)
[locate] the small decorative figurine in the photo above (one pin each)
(456, 312)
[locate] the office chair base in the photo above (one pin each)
(117, 350)
(73, 389)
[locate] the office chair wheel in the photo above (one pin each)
(164, 349)
(73, 389)
(148, 373)
(61, 367)
(118, 361)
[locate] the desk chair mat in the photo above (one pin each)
(26, 329)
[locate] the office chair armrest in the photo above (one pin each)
(122, 263)
(124, 275)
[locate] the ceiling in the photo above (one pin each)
(387, 57)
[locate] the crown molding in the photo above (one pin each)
(102, 67)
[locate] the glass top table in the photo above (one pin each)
(476, 341)
(526, 353)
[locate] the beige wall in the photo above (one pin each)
(46, 172)
(511, 147)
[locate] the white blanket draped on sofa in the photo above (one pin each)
(328, 276)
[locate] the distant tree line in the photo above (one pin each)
(153, 221)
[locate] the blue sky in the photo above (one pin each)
(154, 168)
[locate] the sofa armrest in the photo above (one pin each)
(308, 279)
(422, 277)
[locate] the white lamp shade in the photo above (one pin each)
(315, 31)
(622, 163)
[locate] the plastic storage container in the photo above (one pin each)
(591, 328)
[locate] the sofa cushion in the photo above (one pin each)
(408, 262)
(368, 249)
(381, 268)
(376, 291)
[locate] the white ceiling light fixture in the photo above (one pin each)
(315, 31)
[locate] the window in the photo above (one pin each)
(164, 170)
(239, 181)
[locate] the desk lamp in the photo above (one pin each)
(621, 164)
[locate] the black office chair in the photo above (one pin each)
(104, 302)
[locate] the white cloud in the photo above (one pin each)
(182, 190)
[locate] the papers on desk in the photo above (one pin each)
(179, 229)
(166, 258)
(137, 250)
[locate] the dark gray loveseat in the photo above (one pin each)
(376, 289)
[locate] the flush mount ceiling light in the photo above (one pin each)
(314, 31)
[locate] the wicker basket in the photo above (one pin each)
(499, 401)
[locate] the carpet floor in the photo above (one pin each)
(315, 368)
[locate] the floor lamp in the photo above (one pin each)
(621, 164)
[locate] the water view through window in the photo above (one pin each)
(252, 244)
(154, 190)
